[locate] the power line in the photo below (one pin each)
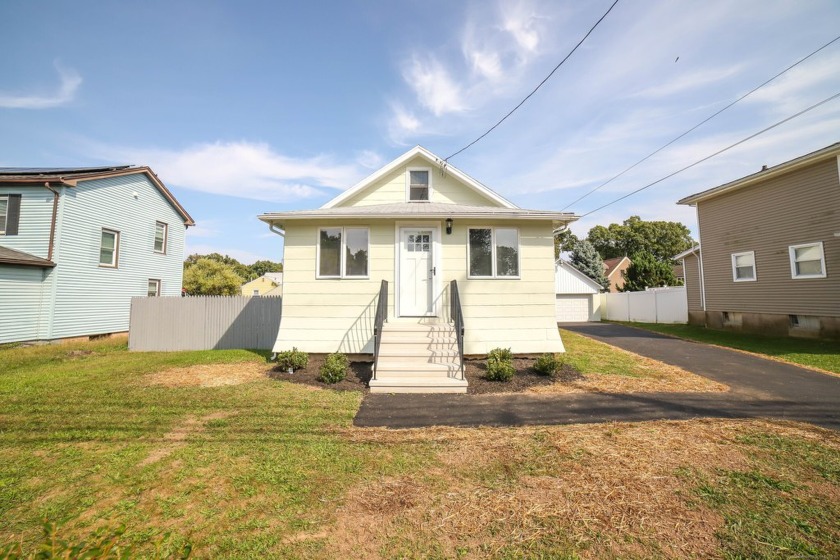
(698, 162)
(704, 121)
(539, 86)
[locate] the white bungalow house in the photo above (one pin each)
(418, 264)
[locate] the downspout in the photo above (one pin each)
(52, 223)
(281, 233)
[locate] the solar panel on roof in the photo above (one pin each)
(57, 170)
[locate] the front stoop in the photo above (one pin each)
(418, 358)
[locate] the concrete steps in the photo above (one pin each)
(418, 358)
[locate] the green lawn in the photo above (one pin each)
(272, 469)
(821, 354)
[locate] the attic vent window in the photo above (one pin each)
(419, 185)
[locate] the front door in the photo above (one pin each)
(416, 272)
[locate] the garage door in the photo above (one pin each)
(573, 308)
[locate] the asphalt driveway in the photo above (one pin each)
(759, 388)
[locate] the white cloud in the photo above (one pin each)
(242, 169)
(370, 159)
(519, 19)
(689, 81)
(434, 87)
(70, 82)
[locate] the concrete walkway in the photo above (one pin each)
(759, 388)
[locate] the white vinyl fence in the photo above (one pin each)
(660, 305)
(203, 323)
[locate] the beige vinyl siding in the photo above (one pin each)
(391, 188)
(328, 315)
(693, 285)
(802, 206)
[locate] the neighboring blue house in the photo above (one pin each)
(77, 244)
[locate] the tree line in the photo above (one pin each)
(650, 245)
(221, 275)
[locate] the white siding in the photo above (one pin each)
(36, 204)
(568, 281)
(328, 315)
(20, 302)
(90, 299)
(445, 189)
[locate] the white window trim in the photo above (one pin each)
(165, 237)
(792, 255)
(408, 183)
(343, 252)
(116, 260)
(6, 216)
(493, 254)
(734, 268)
(157, 283)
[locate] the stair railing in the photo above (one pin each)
(458, 318)
(381, 318)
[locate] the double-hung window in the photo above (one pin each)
(743, 267)
(109, 248)
(493, 252)
(154, 288)
(161, 232)
(807, 260)
(9, 214)
(419, 184)
(343, 252)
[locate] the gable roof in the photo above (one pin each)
(802, 161)
(425, 210)
(70, 177)
(610, 265)
(368, 181)
(686, 253)
(571, 269)
(11, 256)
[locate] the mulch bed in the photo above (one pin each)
(475, 370)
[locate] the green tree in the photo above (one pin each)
(564, 241)
(208, 277)
(261, 267)
(240, 269)
(659, 239)
(646, 271)
(587, 260)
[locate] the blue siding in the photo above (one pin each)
(21, 302)
(36, 206)
(90, 299)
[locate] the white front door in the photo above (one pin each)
(416, 272)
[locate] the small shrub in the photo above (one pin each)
(548, 364)
(334, 368)
(294, 359)
(500, 365)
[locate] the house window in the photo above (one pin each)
(109, 248)
(9, 214)
(154, 288)
(419, 185)
(161, 234)
(493, 253)
(743, 267)
(343, 252)
(807, 260)
(255, 293)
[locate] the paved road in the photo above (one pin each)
(759, 388)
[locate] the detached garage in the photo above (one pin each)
(577, 295)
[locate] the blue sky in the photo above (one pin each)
(248, 107)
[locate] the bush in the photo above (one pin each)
(294, 359)
(500, 365)
(334, 368)
(548, 364)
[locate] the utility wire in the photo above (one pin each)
(698, 162)
(701, 123)
(536, 88)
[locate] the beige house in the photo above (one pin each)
(614, 271)
(447, 266)
(269, 284)
(769, 253)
